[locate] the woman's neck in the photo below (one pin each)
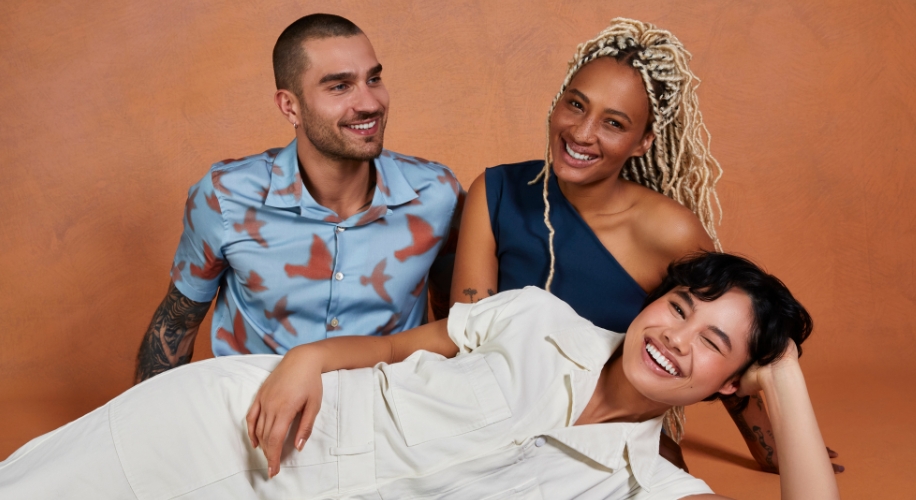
(604, 197)
(616, 400)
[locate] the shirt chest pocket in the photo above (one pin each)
(437, 398)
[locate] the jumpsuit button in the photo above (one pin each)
(338, 276)
(340, 229)
(334, 322)
(541, 441)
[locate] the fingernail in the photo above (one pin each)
(270, 472)
(840, 468)
(300, 443)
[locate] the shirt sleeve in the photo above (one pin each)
(471, 325)
(199, 261)
(440, 273)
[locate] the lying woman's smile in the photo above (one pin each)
(659, 362)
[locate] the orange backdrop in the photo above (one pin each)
(109, 110)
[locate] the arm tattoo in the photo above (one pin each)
(752, 435)
(169, 339)
(763, 443)
(491, 292)
(470, 292)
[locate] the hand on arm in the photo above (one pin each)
(294, 387)
(169, 339)
(805, 470)
(476, 266)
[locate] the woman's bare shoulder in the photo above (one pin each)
(667, 225)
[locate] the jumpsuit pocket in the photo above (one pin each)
(435, 397)
(529, 490)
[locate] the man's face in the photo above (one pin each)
(343, 102)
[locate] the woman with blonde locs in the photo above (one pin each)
(628, 186)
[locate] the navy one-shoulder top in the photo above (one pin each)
(587, 276)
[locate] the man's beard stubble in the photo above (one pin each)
(331, 142)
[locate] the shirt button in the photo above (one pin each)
(341, 229)
(541, 441)
(334, 322)
(338, 276)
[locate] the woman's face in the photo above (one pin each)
(599, 122)
(680, 349)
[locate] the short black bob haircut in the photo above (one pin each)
(778, 317)
(289, 56)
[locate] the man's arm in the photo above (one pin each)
(169, 339)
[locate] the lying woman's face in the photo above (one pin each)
(680, 350)
(599, 122)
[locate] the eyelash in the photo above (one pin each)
(678, 309)
(578, 106)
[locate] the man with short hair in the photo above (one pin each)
(329, 236)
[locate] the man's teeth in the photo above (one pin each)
(577, 155)
(657, 356)
(364, 126)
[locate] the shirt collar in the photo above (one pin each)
(635, 443)
(588, 347)
(287, 190)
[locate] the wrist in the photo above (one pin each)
(780, 375)
(306, 355)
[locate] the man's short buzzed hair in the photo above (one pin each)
(290, 59)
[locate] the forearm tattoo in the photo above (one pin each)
(752, 435)
(169, 340)
(763, 444)
(470, 292)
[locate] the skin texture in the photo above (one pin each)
(169, 339)
(629, 388)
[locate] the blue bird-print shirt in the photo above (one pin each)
(287, 271)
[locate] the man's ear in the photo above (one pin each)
(289, 106)
(730, 386)
(645, 143)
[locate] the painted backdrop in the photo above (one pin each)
(109, 110)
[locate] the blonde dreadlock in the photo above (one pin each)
(678, 165)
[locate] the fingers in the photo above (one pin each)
(307, 422)
(837, 469)
(252, 420)
(831, 453)
(272, 442)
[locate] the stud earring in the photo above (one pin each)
(295, 125)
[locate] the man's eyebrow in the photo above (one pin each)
(686, 297)
(333, 77)
(348, 75)
(611, 111)
(722, 336)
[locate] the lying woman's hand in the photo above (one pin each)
(753, 382)
(294, 387)
(756, 376)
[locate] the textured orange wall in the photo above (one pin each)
(110, 110)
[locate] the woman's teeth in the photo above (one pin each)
(661, 360)
(364, 126)
(577, 155)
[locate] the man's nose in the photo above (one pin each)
(367, 102)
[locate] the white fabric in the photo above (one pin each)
(473, 426)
